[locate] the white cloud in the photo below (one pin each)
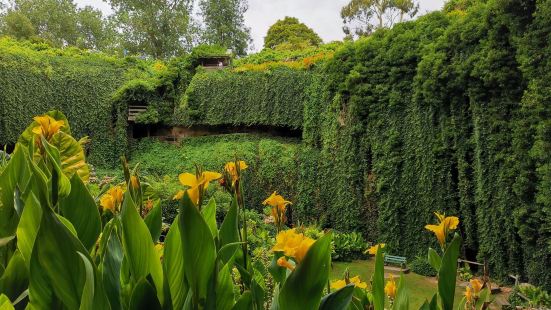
(321, 15)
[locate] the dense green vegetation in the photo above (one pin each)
(35, 79)
(448, 112)
(272, 166)
(273, 98)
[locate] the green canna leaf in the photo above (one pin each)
(87, 299)
(229, 233)
(154, 222)
(15, 175)
(173, 264)
(81, 210)
(198, 248)
(339, 299)
(434, 259)
(139, 249)
(209, 214)
(15, 279)
(304, 286)
(245, 302)
(144, 297)
(448, 272)
(224, 289)
(111, 266)
(379, 282)
(402, 298)
(5, 303)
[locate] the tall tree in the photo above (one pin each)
(158, 28)
(224, 24)
(290, 33)
(17, 25)
(58, 22)
(365, 16)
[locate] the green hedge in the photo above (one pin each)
(267, 98)
(447, 113)
(35, 79)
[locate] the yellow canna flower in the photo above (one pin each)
(283, 262)
(358, 283)
(476, 285)
(275, 200)
(134, 182)
(390, 288)
(107, 203)
(445, 226)
(439, 231)
(112, 199)
(47, 126)
(293, 244)
(469, 294)
(279, 206)
(232, 169)
(196, 184)
(337, 285)
(374, 249)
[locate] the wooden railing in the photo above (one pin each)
(134, 110)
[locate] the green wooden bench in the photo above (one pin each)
(396, 260)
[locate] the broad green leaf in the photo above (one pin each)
(245, 302)
(144, 297)
(81, 210)
(173, 263)
(304, 287)
(138, 246)
(15, 279)
(448, 272)
(5, 303)
(379, 282)
(198, 247)
(154, 222)
(28, 228)
(111, 268)
(57, 252)
(67, 224)
(258, 294)
(402, 298)
(434, 259)
(87, 299)
(71, 155)
(229, 232)
(209, 214)
(278, 273)
(224, 289)
(61, 185)
(482, 298)
(339, 299)
(16, 174)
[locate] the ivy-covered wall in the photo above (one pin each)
(447, 113)
(251, 98)
(35, 79)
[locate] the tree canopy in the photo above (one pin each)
(290, 33)
(156, 28)
(224, 24)
(361, 17)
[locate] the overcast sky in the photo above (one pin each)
(321, 15)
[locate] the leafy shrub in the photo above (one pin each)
(348, 246)
(421, 266)
(537, 297)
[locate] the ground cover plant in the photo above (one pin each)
(64, 248)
